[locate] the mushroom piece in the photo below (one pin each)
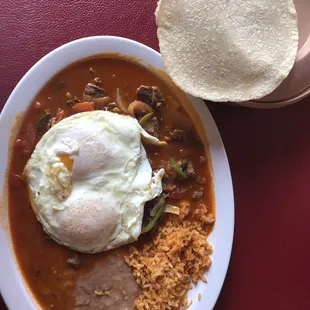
(139, 108)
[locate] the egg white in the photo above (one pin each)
(98, 203)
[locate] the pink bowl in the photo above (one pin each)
(297, 85)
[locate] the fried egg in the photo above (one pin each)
(89, 178)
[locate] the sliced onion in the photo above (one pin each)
(145, 119)
(119, 102)
(172, 209)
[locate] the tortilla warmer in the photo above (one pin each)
(268, 150)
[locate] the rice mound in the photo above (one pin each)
(165, 268)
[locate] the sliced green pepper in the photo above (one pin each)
(178, 170)
(155, 214)
(154, 220)
(145, 118)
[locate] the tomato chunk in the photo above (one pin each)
(83, 107)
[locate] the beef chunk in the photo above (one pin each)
(197, 195)
(110, 106)
(72, 101)
(74, 261)
(190, 169)
(93, 91)
(151, 95)
(97, 95)
(177, 134)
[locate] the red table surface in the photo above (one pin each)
(268, 151)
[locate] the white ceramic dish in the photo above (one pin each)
(11, 282)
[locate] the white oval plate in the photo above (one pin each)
(12, 286)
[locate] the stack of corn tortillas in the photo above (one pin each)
(227, 50)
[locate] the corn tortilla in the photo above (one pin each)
(227, 50)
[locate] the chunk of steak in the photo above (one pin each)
(94, 91)
(151, 95)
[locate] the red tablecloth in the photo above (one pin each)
(269, 151)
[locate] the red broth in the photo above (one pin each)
(43, 262)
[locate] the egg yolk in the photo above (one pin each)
(66, 160)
